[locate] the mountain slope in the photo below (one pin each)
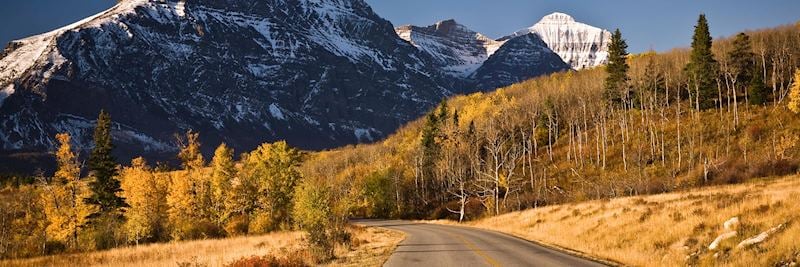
(318, 73)
(458, 50)
(519, 59)
(578, 44)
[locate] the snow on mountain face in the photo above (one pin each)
(458, 50)
(520, 58)
(579, 44)
(318, 73)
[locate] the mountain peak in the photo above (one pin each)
(446, 23)
(448, 26)
(580, 45)
(458, 50)
(557, 17)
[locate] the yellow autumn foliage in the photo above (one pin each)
(145, 193)
(63, 198)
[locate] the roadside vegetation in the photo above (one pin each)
(371, 247)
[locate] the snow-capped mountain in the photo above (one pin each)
(520, 58)
(317, 73)
(484, 64)
(579, 44)
(458, 50)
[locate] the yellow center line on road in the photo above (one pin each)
(472, 246)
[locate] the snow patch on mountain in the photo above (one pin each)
(363, 135)
(180, 8)
(276, 112)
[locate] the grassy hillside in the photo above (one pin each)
(672, 229)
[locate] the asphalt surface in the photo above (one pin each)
(444, 245)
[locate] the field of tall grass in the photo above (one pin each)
(673, 229)
(369, 247)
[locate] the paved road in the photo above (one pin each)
(442, 245)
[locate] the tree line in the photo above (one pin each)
(115, 206)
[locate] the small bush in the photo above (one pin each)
(237, 225)
(200, 229)
(54, 247)
(646, 215)
(677, 216)
(313, 213)
(261, 223)
(193, 262)
(291, 260)
(737, 171)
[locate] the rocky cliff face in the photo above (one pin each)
(578, 44)
(318, 73)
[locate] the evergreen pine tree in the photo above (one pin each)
(429, 133)
(757, 90)
(444, 112)
(741, 58)
(702, 68)
(617, 69)
(103, 168)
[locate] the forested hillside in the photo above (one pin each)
(646, 123)
(571, 136)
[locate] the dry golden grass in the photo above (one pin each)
(671, 229)
(215, 252)
(371, 247)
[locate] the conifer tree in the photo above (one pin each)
(741, 58)
(794, 94)
(429, 133)
(103, 168)
(702, 68)
(617, 69)
(757, 90)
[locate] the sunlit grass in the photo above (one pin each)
(671, 229)
(370, 247)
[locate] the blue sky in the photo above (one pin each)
(646, 24)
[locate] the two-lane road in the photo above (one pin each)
(443, 245)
